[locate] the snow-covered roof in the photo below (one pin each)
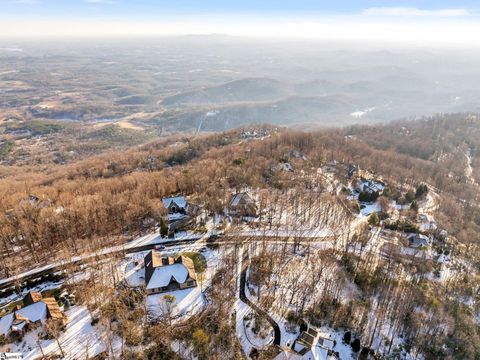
(179, 200)
(163, 275)
(34, 313)
(418, 236)
(19, 326)
(417, 240)
(298, 347)
(371, 185)
(430, 225)
(237, 198)
(317, 353)
(6, 323)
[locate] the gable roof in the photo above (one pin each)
(188, 263)
(179, 200)
(39, 310)
(6, 323)
(53, 310)
(236, 198)
(34, 312)
(161, 271)
(153, 260)
(31, 298)
(307, 339)
(418, 240)
(164, 275)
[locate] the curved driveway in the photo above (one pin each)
(243, 297)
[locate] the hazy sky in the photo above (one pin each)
(427, 21)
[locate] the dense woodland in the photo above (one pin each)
(74, 208)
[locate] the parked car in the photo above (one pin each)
(214, 237)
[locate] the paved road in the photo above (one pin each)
(57, 266)
(134, 246)
(243, 297)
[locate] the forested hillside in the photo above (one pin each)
(123, 188)
(70, 209)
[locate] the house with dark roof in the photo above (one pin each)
(179, 210)
(418, 240)
(163, 274)
(31, 298)
(242, 204)
(310, 345)
(369, 186)
(306, 341)
(175, 205)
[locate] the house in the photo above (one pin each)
(179, 210)
(31, 298)
(241, 204)
(443, 235)
(35, 312)
(284, 166)
(428, 226)
(369, 186)
(310, 345)
(351, 171)
(164, 274)
(418, 240)
(175, 205)
(306, 341)
(252, 134)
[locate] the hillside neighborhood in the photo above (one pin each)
(173, 270)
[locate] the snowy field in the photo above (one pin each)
(79, 341)
(187, 302)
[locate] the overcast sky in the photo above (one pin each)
(423, 22)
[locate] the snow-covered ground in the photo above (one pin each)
(149, 239)
(79, 341)
(81, 338)
(242, 310)
(296, 271)
(361, 113)
(247, 338)
(134, 271)
(258, 341)
(187, 302)
(316, 233)
(369, 208)
(365, 208)
(48, 285)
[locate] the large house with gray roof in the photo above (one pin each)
(164, 274)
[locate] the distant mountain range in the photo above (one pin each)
(244, 90)
(317, 102)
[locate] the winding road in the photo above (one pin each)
(243, 297)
